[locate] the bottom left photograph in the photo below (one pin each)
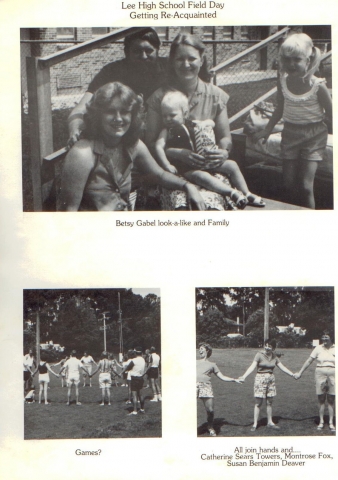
(92, 363)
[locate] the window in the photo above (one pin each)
(228, 32)
(163, 33)
(208, 33)
(66, 33)
(99, 31)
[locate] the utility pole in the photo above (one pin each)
(121, 330)
(266, 314)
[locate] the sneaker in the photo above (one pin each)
(212, 432)
(142, 410)
(332, 427)
(128, 402)
(132, 413)
(154, 400)
(273, 426)
(101, 404)
(78, 403)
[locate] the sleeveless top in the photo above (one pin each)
(305, 108)
(42, 368)
(105, 365)
(108, 185)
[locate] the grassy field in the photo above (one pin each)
(294, 409)
(89, 420)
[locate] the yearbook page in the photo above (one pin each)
(124, 276)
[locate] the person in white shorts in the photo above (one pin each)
(105, 366)
(88, 362)
(63, 374)
(153, 374)
(29, 364)
(73, 366)
(44, 368)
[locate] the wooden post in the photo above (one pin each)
(266, 314)
(40, 123)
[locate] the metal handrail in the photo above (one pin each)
(249, 50)
(84, 47)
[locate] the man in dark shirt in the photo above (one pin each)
(142, 70)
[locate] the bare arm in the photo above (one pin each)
(284, 369)
(306, 364)
(226, 379)
(75, 119)
(252, 367)
(51, 371)
(160, 152)
(276, 116)
(77, 166)
(325, 100)
(154, 127)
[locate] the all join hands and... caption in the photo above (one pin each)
(147, 10)
(174, 223)
(267, 457)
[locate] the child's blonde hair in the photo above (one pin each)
(176, 98)
(301, 44)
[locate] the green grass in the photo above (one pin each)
(294, 408)
(89, 420)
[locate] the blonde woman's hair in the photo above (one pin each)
(176, 98)
(301, 44)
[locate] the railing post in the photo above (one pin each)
(40, 123)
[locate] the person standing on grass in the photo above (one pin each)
(303, 101)
(44, 368)
(204, 370)
(153, 374)
(325, 356)
(137, 369)
(105, 367)
(63, 374)
(72, 367)
(113, 372)
(28, 368)
(265, 386)
(88, 362)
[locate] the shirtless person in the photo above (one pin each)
(72, 367)
(106, 367)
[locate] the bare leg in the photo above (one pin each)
(141, 398)
(307, 173)
(40, 392)
(206, 180)
(158, 388)
(209, 408)
(330, 406)
(103, 392)
(77, 394)
(69, 393)
(290, 168)
(258, 404)
(108, 395)
(321, 406)
(269, 410)
(134, 394)
(232, 170)
(45, 392)
(153, 387)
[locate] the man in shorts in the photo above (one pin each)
(88, 362)
(137, 369)
(153, 374)
(73, 366)
(106, 367)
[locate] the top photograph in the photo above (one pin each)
(177, 118)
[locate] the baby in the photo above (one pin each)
(199, 137)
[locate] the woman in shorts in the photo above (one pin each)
(265, 386)
(325, 356)
(204, 369)
(44, 368)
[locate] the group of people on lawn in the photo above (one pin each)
(133, 369)
(265, 387)
(148, 120)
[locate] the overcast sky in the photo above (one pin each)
(145, 291)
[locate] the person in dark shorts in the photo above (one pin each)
(137, 370)
(153, 374)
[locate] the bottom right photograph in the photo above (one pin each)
(265, 361)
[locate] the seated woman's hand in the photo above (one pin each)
(74, 137)
(191, 159)
(194, 196)
(215, 158)
(171, 169)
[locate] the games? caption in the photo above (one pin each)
(88, 452)
(174, 223)
(267, 457)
